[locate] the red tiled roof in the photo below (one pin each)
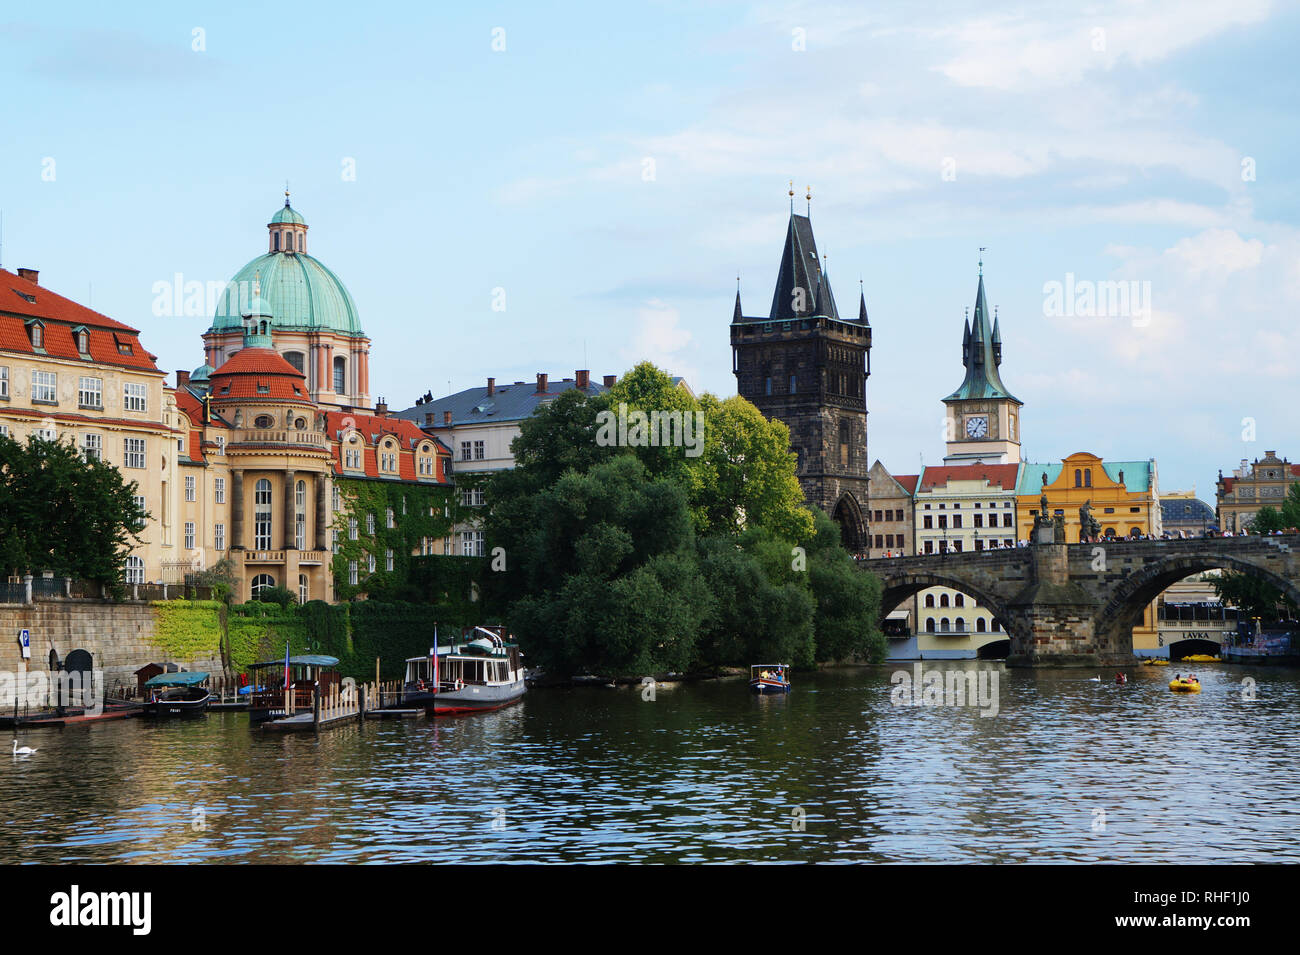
(249, 370)
(59, 316)
(373, 428)
(1001, 475)
(908, 481)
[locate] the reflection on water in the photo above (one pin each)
(1069, 770)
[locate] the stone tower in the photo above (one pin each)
(806, 366)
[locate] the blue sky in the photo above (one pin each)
(1106, 143)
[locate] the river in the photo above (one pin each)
(1067, 771)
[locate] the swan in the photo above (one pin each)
(1095, 679)
(22, 750)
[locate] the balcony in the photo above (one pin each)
(308, 439)
(305, 557)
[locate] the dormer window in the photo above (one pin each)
(37, 332)
(83, 341)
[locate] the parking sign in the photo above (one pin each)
(25, 642)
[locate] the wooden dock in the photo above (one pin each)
(336, 706)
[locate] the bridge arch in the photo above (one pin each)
(848, 514)
(1138, 589)
(897, 588)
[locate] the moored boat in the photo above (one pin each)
(482, 671)
(276, 695)
(183, 693)
(769, 678)
(1185, 685)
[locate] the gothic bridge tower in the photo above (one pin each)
(807, 366)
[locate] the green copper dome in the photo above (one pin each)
(296, 290)
(287, 214)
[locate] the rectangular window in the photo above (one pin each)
(928, 522)
(979, 519)
(219, 537)
(370, 563)
(352, 528)
(139, 502)
(262, 515)
(4, 381)
(300, 530)
(92, 446)
(471, 543)
(929, 547)
(389, 519)
(133, 452)
(370, 525)
(135, 397)
(465, 451)
(219, 490)
(478, 450)
(352, 572)
(335, 502)
(90, 393)
(191, 492)
(189, 535)
(388, 560)
(45, 387)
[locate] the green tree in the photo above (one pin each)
(1253, 596)
(605, 574)
(848, 599)
(65, 513)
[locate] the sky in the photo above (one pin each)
(606, 171)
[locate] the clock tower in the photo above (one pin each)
(983, 416)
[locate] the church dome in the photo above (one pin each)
(297, 290)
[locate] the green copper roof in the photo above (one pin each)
(981, 353)
(298, 290)
(1137, 475)
(287, 214)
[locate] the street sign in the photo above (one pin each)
(25, 642)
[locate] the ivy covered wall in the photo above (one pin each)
(376, 518)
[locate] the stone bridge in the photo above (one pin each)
(1076, 604)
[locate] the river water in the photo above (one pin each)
(1067, 771)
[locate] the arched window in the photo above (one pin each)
(944, 626)
(302, 588)
(929, 600)
(980, 625)
(943, 600)
(929, 625)
(275, 241)
(959, 601)
(294, 358)
(340, 375)
(1078, 477)
(1087, 478)
(961, 625)
(260, 583)
(134, 570)
(262, 515)
(288, 241)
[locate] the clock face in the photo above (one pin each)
(977, 427)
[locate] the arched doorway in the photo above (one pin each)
(848, 514)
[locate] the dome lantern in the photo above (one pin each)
(288, 230)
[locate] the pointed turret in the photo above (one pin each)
(862, 306)
(997, 340)
(981, 356)
(799, 282)
(736, 315)
(965, 345)
(825, 304)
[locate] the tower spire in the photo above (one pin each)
(808, 195)
(791, 197)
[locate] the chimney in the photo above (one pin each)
(381, 408)
(541, 382)
(492, 387)
(610, 380)
(584, 378)
(446, 419)
(30, 275)
(182, 378)
(428, 419)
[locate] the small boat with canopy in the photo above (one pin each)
(482, 671)
(281, 688)
(770, 678)
(183, 693)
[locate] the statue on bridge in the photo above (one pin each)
(1089, 527)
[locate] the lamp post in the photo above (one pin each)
(57, 689)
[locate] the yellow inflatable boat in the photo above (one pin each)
(1150, 662)
(1201, 658)
(1185, 686)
